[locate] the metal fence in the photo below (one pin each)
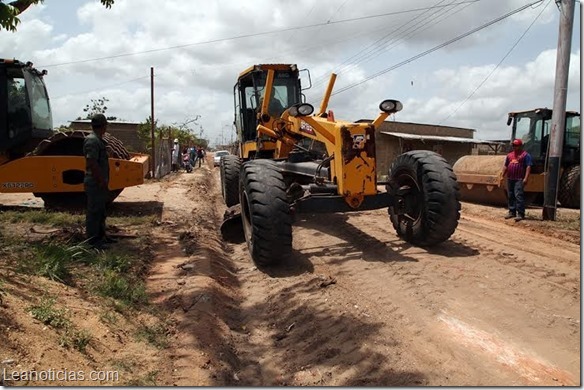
(162, 157)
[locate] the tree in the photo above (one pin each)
(97, 106)
(182, 132)
(9, 11)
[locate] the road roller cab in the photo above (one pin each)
(34, 158)
(481, 177)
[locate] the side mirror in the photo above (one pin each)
(509, 120)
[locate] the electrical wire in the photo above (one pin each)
(420, 55)
(497, 66)
(243, 36)
(354, 58)
(388, 42)
(100, 88)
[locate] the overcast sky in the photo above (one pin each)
(198, 48)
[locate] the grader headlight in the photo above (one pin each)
(303, 109)
(390, 106)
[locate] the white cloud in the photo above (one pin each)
(198, 78)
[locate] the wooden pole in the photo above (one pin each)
(152, 124)
(558, 125)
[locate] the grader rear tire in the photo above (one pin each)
(569, 191)
(230, 167)
(265, 212)
(434, 198)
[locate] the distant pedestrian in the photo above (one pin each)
(175, 156)
(96, 183)
(186, 161)
(200, 155)
(517, 169)
(192, 155)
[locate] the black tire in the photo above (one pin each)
(569, 191)
(265, 212)
(70, 143)
(433, 201)
(230, 166)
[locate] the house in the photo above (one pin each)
(393, 138)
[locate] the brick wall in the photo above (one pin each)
(126, 132)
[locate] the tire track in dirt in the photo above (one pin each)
(192, 281)
(355, 305)
(463, 280)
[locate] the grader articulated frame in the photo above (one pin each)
(276, 174)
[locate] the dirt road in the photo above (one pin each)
(497, 305)
(355, 305)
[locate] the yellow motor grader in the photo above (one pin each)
(33, 158)
(277, 175)
(481, 177)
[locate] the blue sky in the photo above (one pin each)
(198, 79)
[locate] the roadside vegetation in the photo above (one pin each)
(49, 275)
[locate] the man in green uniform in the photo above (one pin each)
(96, 182)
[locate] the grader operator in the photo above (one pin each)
(33, 158)
(277, 176)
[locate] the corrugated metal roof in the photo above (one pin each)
(441, 138)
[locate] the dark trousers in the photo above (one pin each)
(516, 197)
(95, 213)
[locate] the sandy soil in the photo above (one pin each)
(497, 305)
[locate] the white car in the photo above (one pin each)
(217, 157)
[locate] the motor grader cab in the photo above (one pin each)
(33, 158)
(276, 176)
(249, 94)
(481, 177)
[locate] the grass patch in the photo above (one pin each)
(147, 380)
(131, 220)
(48, 314)
(108, 317)
(54, 260)
(120, 263)
(3, 292)
(74, 338)
(126, 365)
(41, 217)
(124, 287)
(155, 335)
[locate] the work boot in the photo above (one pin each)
(510, 215)
(99, 245)
(110, 240)
(519, 218)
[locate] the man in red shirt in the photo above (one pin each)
(517, 168)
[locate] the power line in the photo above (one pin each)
(372, 51)
(420, 55)
(497, 66)
(100, 88)
(244, 36)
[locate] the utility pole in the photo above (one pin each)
(152, 121)
(559, 110)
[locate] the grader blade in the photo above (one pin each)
(481, 179)
(232, 228)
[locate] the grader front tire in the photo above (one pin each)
(230, 167)
(433, 196)
(569, 191)
(265, 212)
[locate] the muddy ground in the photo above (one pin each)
(497, 305)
